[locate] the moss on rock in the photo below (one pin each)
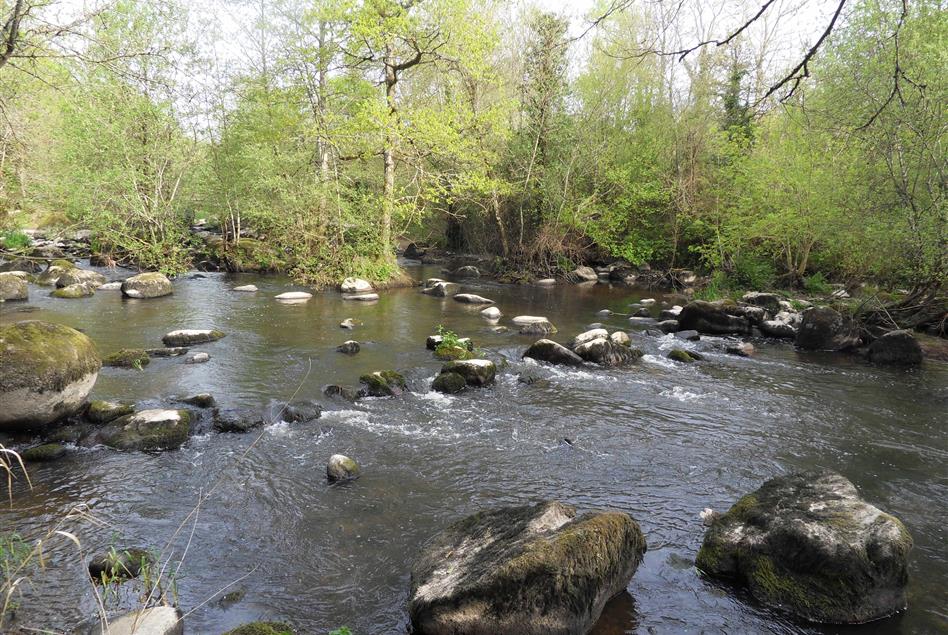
(43, 453)
(100, 411)
(147, 285)
(148, 430)
(74, 291)
(127, 358)
(384, 383)
(450, 383)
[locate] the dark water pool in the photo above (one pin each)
(660, 441)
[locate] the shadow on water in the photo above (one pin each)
(660, 441)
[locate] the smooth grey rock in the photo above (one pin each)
(476, 372)
(899, 348)
(712, 318)
(584, 274)
(588, 336)
(247, 288)
(342, 468)
(607, 353)
(355, 285)
(553, 353)
(470, 298)
(147, 285)
(158, 620)
(491, 313)
(13, 287)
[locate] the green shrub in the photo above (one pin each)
(14, 239)
(816, 284)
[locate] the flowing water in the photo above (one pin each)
(660, 441)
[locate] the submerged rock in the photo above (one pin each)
(528, 570)
(247, 288)
(301, 411)
(470, 298)
(236, 421)
(896, 347)
(824, 329)
(198, 358)
(808, 544)
(201, 400)
(553, 353)
(148, 430)
(681, 355)
(170, 351)
(349, 347)
(189, 337)
(621, 338)
(476, 372)
(538, 328)
(43, 453)
(668, 326)
(127, 358)
(147, 285)
(710, 317)
(348, 323)
(294, 297)
(100, 411)
(46, 372)
(607, 353)
(385, 383)
(157, 620)
(690, 336)
(73, 291)
(449, 383)
(13, 287)
(741, 349)
(342, 468)
(467, 272)
(360, 297)
(341, 392)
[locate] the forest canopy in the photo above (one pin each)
(336, 127)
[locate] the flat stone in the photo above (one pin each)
(187, 337)
(491, 313)
(294, 297)
(247, 288)
(361, 297)
(470, 298)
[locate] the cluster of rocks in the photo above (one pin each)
(596, 346)
(70, 282)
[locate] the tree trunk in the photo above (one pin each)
(388, 153)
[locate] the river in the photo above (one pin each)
(659, 440)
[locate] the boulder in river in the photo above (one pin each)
(621, 338)
(46, 372)
(100, 411)
(201, 400)
(491, 313)
(73, 291)
(294, 297)
(690, 336)
(553, 353)
(13, 287)
(449, 383)
(384, 383)
(189, 337)
(147, 285)
(169, 351)
(538, 328)
(476, 372)
(236, 421)
(710, 317)
(683, 356)
(668, 326)
(198, 358)
(43, 453)
(588, 336)
(470, 298)
(156, 429)
(442, 289)
(528, 570)
(300, 412)
(584, 274)
(605, 352)
(110, 286)
(342, 468)
(898, 348)
(467, 272)
(355, 285)
(778, 329)
(127, 358)
(81, 276)
(246, 288)
(349, 347)
(767, 301)
(348, 323)
(342, 392)
(741, 349)
(808, 544)
(52, 274)
(360, 297)
(157, 620)
(824, 329)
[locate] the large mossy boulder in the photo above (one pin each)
(73, 291)
(711, 318)
(46, 372)
(52, 274)
(147, 285)
(552, 353)
(528, 570)
(156, 429)
(449, 383)
(476, 372)
(825, 329)
(808, 544)
(13, 287)
(101, 411)
(383, 383)
(899, 348)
